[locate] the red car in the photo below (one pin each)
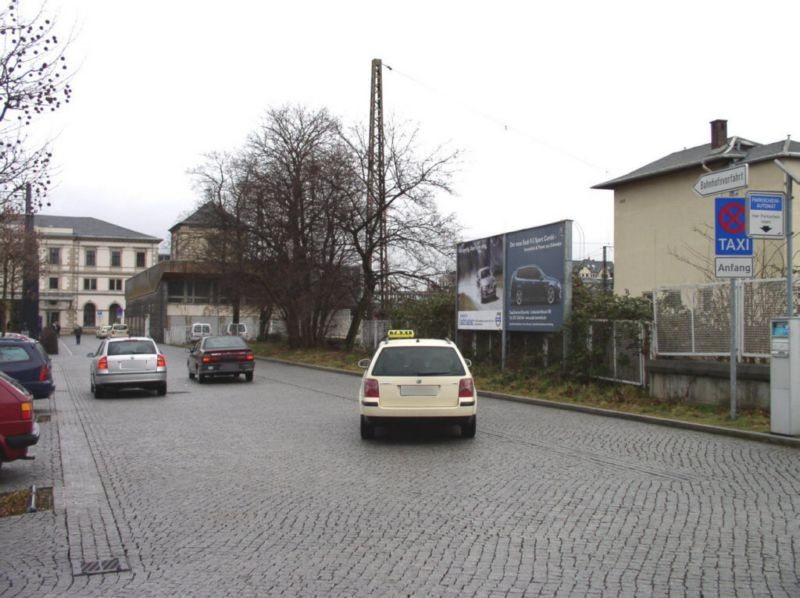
(18, 427)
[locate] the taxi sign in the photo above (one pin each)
(398, 334)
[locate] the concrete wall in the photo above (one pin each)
(708, 382)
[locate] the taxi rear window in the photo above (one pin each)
(418, 361)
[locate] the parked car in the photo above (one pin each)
(103, 331)
(199, 330)
(529, 284)
(118, 330)
(238, 329)
(18, 427)
(213, 356)
(487, 284)
(410, 378)
(130, 362)
(26, 361)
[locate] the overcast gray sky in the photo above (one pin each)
(544, 99)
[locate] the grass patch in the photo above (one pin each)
(549, 386)
(17, 501)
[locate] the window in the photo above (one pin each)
(12, 354)
(116, 258)
(418, 361)
(54, 256)
(140, 259)
(89, 313)
(114, 284)
(91, 257)
(52, 283)
(89, 284)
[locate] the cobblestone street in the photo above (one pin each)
(265, 488)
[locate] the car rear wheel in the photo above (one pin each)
(551, 295)
(200, 378)
(191, 375)
(248, 376)
(468, 428)
(162, 390)
(367, 429)
(99, 393)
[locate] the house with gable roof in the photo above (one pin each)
(664, 232)
(85, 263)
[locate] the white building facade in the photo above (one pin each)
(84, 263)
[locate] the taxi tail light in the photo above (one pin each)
(161, 361)
(103, 363)
(371, 389)
(44, 373)
(26, 411)
(466, 388)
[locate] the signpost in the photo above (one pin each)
(765, 215)
(732, 246)
(719, 181)
(734, 259)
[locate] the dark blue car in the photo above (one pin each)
(27, 362)
(530, 285)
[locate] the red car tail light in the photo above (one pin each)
(249, 356)
(466, 388)
(161, 361)
(371, 389)
(103, 363)
(26, 411)
(44, 373)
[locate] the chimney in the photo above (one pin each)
(719, 133)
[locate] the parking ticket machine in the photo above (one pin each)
(784, 371)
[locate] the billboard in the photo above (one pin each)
(537, 277)
(479, 268)
(518, 281)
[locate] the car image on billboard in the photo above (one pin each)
(530, 285)
(480, 284)
(537, 262)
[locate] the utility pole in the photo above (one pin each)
(605, 269)
(376, 182)
(30, 272)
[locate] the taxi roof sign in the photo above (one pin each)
(398, 334)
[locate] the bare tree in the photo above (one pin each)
(420, 241)
(279, 212)
(33, 81)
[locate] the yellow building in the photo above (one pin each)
(664, 231)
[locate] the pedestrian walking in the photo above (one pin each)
(78, 331)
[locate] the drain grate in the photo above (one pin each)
(113, 565)
(42, 419)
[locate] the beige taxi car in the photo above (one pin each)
(410, 378)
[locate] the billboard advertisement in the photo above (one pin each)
(537, 285)
(480, 283)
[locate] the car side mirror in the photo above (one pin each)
(468, 362)
(90, 355)
(364, 363)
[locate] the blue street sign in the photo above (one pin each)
(730, 227)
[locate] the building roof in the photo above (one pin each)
(205, 216)
(736, 149)
(87, 227)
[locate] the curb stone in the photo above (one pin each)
(789, 441)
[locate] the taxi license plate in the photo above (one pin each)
(419, 391)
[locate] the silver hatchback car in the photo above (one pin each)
(129, 362)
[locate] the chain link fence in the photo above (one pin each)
(619, 348)
(695, 320)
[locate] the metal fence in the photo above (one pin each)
(694, 320)
(619, 348)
